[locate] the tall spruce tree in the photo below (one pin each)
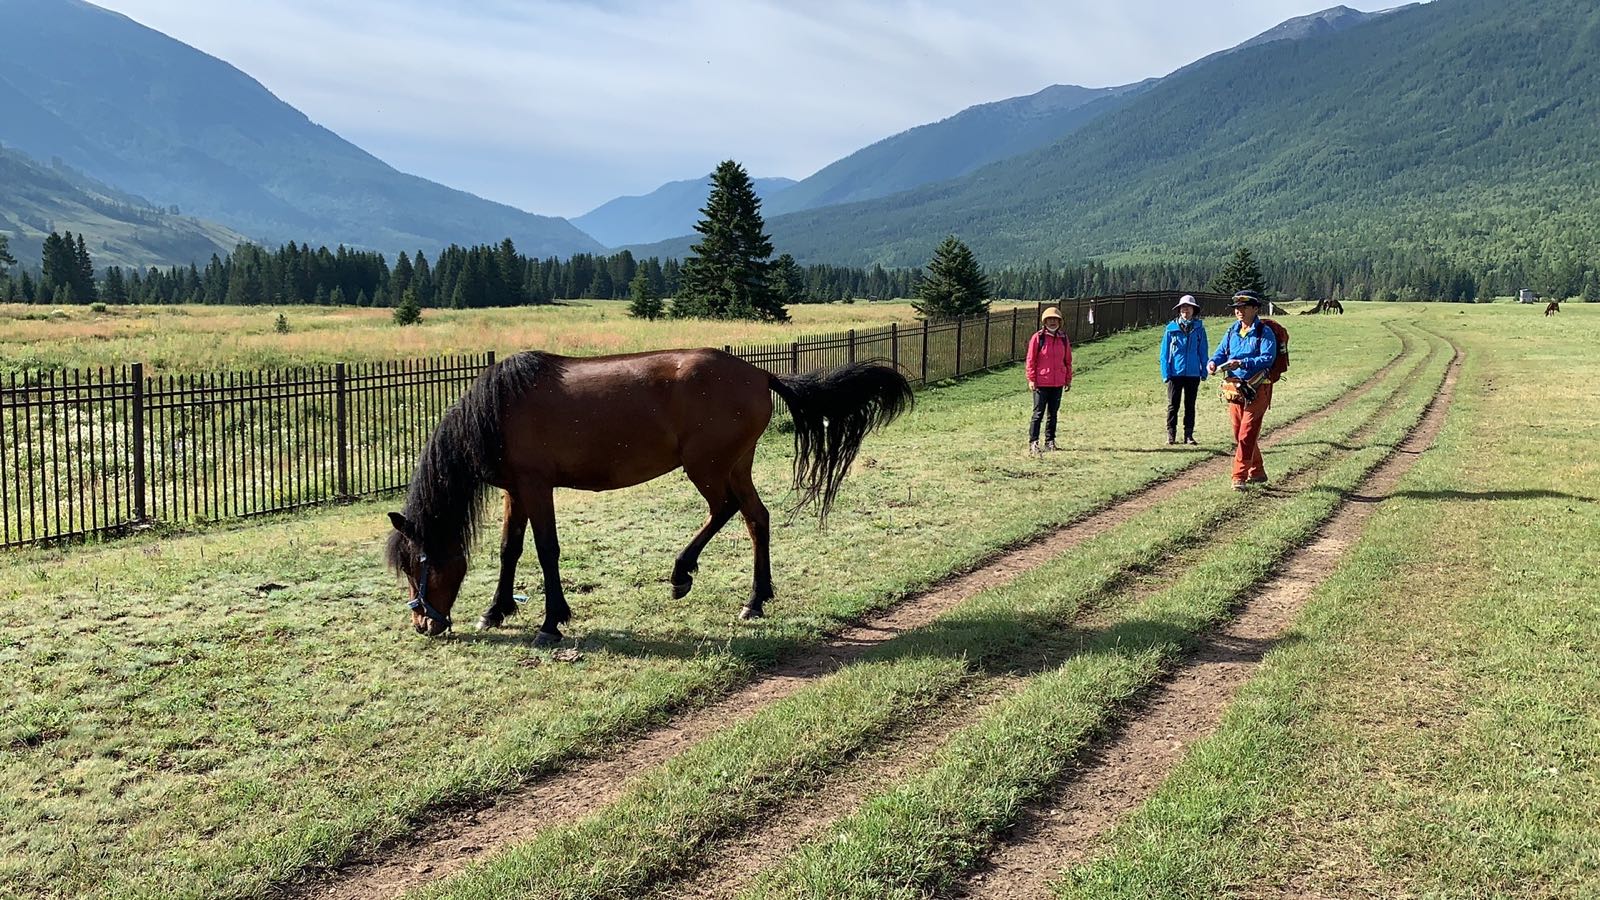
(788, 281)
(1240, 274)
(954, 284)
(6, 259)
(726, 278)
(645, 302)
(83, 286)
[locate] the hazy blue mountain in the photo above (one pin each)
(120, 229)
(1462, 129)
(667, 211)
(151, 115)
(955, 146)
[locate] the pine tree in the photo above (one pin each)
(6, 259)
(83, 286)
(336, 298)
(788, 281)
(727, 276)
(954, 284)
(115, 290)
(281, 324)
(1240, 274)
(409, 312)
(646, 303)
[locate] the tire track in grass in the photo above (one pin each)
(449, 844)
(917, 833)
(1113, 778)
(730, 865)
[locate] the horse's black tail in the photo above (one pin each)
(833, 411)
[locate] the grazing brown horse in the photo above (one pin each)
(1324, 306)
(535, 422)
(1553, 307)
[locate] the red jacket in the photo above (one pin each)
(1049, 359)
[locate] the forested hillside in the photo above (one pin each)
(1456, 134)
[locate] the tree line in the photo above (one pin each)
(730, 274)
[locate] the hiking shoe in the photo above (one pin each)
(1050, 446)
(1239, 486)
(1260, 479)
(1171, 440)
(1190, 440)
(1033, 448)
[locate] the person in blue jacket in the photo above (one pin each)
(1247, 351)
(1183, 366)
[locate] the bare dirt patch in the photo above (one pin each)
(1127, 766)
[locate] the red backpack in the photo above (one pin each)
(1281, 363)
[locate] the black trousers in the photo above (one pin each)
(1184, 388)
(1046, 403)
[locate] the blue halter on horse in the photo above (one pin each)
(419, 603)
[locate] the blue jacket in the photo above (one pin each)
(1183, 353)
(1257, 352)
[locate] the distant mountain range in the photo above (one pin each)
(150, 115)
(990, 132)
(121, 229)
(1462, 130)
(667, 211)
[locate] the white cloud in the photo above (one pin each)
(558, 105)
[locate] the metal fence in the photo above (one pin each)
(101, 451)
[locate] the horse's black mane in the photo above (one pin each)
(445, 500)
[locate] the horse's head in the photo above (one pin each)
(434, 575)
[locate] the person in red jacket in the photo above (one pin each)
(1049, 370)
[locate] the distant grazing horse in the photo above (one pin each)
(1324, 306)
(535, 422)
(1552, 308)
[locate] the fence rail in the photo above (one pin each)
(101, 451)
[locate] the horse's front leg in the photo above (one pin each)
(512, 532)
(542, 515)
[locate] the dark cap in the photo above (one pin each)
(1245, 298)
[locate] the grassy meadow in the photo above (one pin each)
(178, 730)
(172, 340)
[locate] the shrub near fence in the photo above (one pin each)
(97, 452)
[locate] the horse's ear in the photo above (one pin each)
(400, 524)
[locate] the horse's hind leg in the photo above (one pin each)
(722, 505)
(512, 532)
(757, 520)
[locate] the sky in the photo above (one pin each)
(556, 106)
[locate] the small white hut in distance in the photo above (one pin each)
(1527, 296)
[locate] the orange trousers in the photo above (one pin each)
(1247, 464)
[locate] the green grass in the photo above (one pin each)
(728, 779)
(1434, 729)
(175, 733)
(918, 834)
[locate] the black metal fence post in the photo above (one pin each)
(894, 345)
(959, 320)
(342, 429)
(137, 404)
(851, 357)
(924, 351)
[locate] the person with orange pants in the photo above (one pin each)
(1247, 351)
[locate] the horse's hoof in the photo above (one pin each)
(488, 621)
(681, 590)
(751, 612)
(543, 638)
